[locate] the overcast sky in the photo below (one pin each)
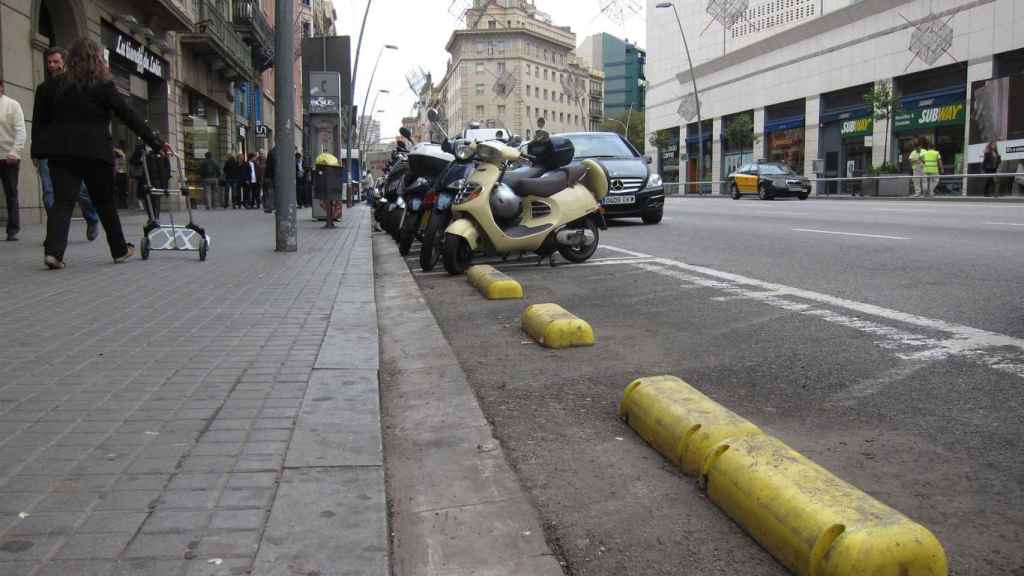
(421, 28)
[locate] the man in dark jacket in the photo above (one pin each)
(209, 173)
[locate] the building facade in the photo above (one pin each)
(623, 65)
(511, 65)
(798, 71)
(199, 71)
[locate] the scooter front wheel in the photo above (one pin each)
(433, 239)
(458, 257)
(582, 253)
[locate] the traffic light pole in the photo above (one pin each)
(284, 131)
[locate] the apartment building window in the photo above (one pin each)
(492, 24)
(545, 93)
(527, 112)
(527, 70)
(479, 112)
(501, 110)
(545, 73)
(561, 98)
(527, 90)
(545, 55)
(307, 29)
(561, 116)
(536, 92)
(479, 89)
(501, 68)
(479, 67)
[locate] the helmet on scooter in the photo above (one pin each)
(505, 205)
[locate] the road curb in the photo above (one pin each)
(812, 522)
(494, 285)
(555, 327)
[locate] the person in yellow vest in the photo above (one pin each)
(917, 165)
(932, 168)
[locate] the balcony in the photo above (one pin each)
(215, 36)
(173, 14)
(252, 25)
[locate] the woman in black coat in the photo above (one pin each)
(71, 128)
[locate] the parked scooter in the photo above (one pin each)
(427, 162)
(546, 208)
(394, 181)
(438, 209)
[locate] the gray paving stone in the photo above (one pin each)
(247, 519)
(339, 424)
(114, 521)
(232, 543)
(94, 546)
(75, 567)
(45, 523)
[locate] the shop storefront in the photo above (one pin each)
(668, 157)
(693, 150)
(737, 142)
(141, 75)
(939, 118)
(784, 134)
(845, 128)
(205, 130)
(997, 116)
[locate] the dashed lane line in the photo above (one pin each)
(887, 327)
(856, 234)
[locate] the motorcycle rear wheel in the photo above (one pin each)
(582, 253)
(433, 239)
(458, 257)
(408, 232)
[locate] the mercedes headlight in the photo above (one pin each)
(463, 151)
(654, 181)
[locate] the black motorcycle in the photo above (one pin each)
(438, 207)
(427, 163)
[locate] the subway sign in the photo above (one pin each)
(929, 116)
(857, 127)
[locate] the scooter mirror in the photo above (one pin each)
(515, 141)
(541, 122)
(432, 115)
(405, 132)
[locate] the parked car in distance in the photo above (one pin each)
(768, 180)
(633, 191)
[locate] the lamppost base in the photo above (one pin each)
(287, 231)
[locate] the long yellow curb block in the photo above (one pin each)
(811, 521)
(554, 327)
(678, 421)
(494, 285)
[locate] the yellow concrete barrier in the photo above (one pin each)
(554, 327)
(811, 521)
(494, 285)
(678, 421)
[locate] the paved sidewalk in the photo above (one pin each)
(175, 417)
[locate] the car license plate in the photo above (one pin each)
(619, 200)
(796, 189)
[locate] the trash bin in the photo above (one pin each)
(327, 187)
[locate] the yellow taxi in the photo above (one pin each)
(768, 180)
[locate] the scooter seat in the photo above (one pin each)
(513, 178)
(550, 183)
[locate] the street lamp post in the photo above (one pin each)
(284, 161)
(696, 97)
(348, 116)
(365, 133)
(366, 98)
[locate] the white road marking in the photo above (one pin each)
(560, 264)
(998, 351)
(882, 236)
(902, 210)
(1005, 223)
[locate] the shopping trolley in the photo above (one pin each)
(171, 237)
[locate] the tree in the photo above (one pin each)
(740, 132)
(660, 139)
(884, 103)
(634, 119)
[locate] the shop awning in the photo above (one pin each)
(694, 139)
(844, 113)
(934, 97)
(779, 124)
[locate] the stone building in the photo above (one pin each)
(511, 65)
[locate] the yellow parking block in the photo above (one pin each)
(494, 285)
(678, 421)
(811, 521)
(554, 327)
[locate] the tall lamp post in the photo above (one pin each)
(284, 161)
(696, 97)
(366, 98)
(364, 135)
(348, 116)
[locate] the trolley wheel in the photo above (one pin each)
(145, 248)
(204, 248)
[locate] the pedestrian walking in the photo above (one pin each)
(121, 174)
(990, 162)
(917, 165)
(12, 145)
(251, 181)
(932, 160)
(55, 58)
(231, 182)
(71, 128)
(300, 182)
(209, 173)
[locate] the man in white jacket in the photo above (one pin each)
(12, 144)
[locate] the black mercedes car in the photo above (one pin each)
(633, 191)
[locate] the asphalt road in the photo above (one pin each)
(883, 339)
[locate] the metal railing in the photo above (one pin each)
(249, 13)
(212, 21)
(887, 185)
